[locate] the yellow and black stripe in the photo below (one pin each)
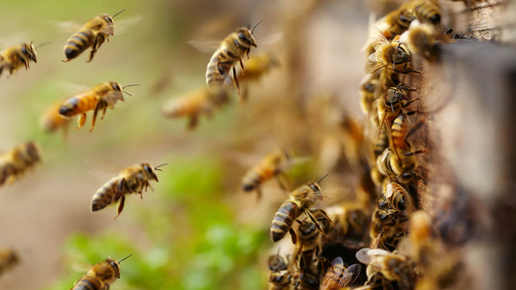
(283, 220)
(78, 43)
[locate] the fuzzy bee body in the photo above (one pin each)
(18, 56)
(15, 163)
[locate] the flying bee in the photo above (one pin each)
(100, 276)
(204, 100)
(389, 54)
(53, 121)
(272, 166)
(8, 259)
(395, 196)
(93, 34)
(393, 267)
(101, 97)
(299, 201)
(15, 57)
(16, 162)
(255, 68)
(338, 276)
(232, 49)
(133, 179)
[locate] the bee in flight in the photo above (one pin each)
(17, 161)
(337, 277)
(204, 100)
(99, 98)
(8, 259)
(92, 34)
(53, 121)
(15, 57)
(299, 202)
(100, 276)
(256, 67)
(133, 179)
(232, 49)
(271, 166)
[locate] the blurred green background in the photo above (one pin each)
(197, 230)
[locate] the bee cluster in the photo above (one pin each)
(385, 229)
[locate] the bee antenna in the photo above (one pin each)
(127, 93)
(320, 179)
(118, 13)
(157, 167)
(42, 44)
(131, 85)
(124, 258)
(255, 25)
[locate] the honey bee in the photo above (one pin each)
(53, 121)
(93, 34)
(15, 57)
(279, 280)
(387, 53)
(8, 259)
(367, 96)
(387, 227)
(101, 97)
(133, 179)
(299, 202)
(421, 39)
(396, 197)
(338, 276)
(424, 10)
(16, 162)
(100, 276)
(255, 68)
(273, 165)
(393, 267)
(232, 49)
(351, 224)
(204, 100)
(277, 262)
(403, 169)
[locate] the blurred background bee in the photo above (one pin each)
(16, 162)
(8, 259)
(18, 56)
(192, 105)
(100, 276)
(100, 97)
(134, 179)
(256, 67)
(92, 34)
(52, 121)
(272, 166)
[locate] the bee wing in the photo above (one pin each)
(350, 275)
(365, 255)
(73, 89)
(127, 24)
(266, 42)
(102, 171)
(373, 65)
(68, 26)
(205, 46)
(377, 38)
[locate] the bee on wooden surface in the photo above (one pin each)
(16, 162)
(299, 202)
(101, 97)
(53, 121)
(232, 49)
(393, 267)
(272, 166)
(256, 67)
(392, 55)
(134, 179)
(192, 105)
(396, 197)
(100, 276)
(8, 259)
(18, 56)
(93, 34)
(338, 277)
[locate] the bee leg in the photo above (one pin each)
(235, 80)
(93, 51)
(293, 235)
(95, 112)
(81, 121)
(192, 123)
(282, 178)
(242, 65)
(120, 206)
(104, 113)
(258, 193)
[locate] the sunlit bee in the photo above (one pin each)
(395, 196)
(393, 267)
(134, 179)
(338, 276)
(299, 202)
(18, 56)
(232, 49)
(93, 34)
(100, 98)
(101, 276)
(19, 160)
(392, 55)
(387, 227)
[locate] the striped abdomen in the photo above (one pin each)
(219, 67)
(399, 131)
(78, 105)
(283, 220)
(256, 176)
(382, 142)
(88, 283)
(106, 195)
(400, 198)
(78, 43)
(428, 12)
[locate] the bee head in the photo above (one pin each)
(245, 36)
(149, 171)
(114, 265)
(28, 51)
